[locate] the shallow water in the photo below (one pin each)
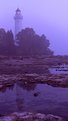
(36, 98)
(62, 69)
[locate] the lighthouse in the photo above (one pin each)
(18, 21)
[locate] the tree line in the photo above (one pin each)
(27, 43)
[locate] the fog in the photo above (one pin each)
(49, 17)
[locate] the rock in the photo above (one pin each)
(21, 114)
(36, 94)
(51, 117)
(27, 116)
(1, 86)
(40, 116)
(24, 116)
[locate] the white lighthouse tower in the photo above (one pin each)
(18, 21)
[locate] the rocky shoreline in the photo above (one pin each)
(28, 116)
(53, 80)
(32, 70)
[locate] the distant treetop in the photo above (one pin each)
(18, 10)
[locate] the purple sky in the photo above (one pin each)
(45, 16)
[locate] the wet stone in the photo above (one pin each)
(27, 116)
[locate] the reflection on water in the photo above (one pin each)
(26, 85)
(20, 98)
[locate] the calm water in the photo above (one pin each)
(62, 69)
(21, 97)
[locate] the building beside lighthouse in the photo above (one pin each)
(18, 21)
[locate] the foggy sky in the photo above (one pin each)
(49, 17)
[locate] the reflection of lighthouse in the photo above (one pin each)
(19, 99)
(18, 21)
